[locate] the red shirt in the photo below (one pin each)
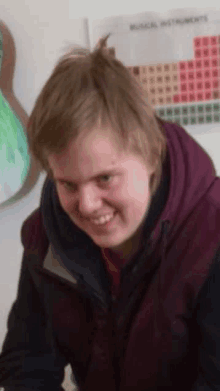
(113, 264)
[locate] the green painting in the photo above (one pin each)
(14, 158)
(18, 169)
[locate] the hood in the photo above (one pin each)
(192, 174)
(188, 174)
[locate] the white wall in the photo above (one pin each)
(41, 28)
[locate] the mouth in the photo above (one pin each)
(103, 221)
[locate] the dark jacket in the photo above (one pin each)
(164, 328)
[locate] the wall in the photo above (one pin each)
(42, 29)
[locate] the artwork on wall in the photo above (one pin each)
(18, 169)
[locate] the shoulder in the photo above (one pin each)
(32, 231)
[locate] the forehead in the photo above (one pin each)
(89, 154)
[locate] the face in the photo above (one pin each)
(104, 190)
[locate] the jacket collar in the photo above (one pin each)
(187, 175)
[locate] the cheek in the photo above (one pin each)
(66, 200)
(140, 184)
(136, 191)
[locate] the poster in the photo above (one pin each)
(176, 58)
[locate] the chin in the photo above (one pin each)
(105, 243)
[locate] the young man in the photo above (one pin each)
(120, 274)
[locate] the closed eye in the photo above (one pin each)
(70, 186)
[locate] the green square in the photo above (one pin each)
(192, 120)
(201, 120)
(177, 111)
(185, 110)
(208, 118)
(216, 107)
(217, 118)
(192, 109)
(177, 120)
(185, 120)
(200, 109)
(208, 108)
(169, 111)
(161, 113)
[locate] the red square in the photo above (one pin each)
(199, 96)
(199, 86)
(206, 52)
(198, 53)
(205, 41)
(191, 97)
(208, 95)
(176, 98)
(190, 64)
(198, 64)
(207, 85)
(184, 98)
(183, 87)
(182, 65)
(197, 42)
(182, 76)
(214, 62)
(191, 87)
(206, 63)
(191, 76)
(213, 40)
(213, 51)
(215, 72)
(199, 75)
(207, 74)
(215, 84)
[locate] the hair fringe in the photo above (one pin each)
(85, 87)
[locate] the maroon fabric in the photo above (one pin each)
(149, 338)
(113, 265)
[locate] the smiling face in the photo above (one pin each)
(104, 190)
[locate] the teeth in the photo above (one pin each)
(103, 219)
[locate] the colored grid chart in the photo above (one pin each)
(191, 114)
(181, 91)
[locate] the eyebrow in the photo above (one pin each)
(106, 172)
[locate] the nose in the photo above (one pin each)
(89, 201)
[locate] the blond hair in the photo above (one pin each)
(90, 87)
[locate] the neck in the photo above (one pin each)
(129, 249)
